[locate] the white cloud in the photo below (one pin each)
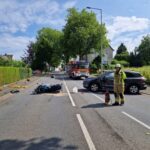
(127, 30)
(126, 24)
(70, 4)
(130, 42)
(18, 16)
(14, 45)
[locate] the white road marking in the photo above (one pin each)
(99, 97)
(70, 97)
(133, 118)
(86, 133)
(93, 94)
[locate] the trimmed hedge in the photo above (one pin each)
(13, 74)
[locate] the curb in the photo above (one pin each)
(7, 88)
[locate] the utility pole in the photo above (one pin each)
(101, 13)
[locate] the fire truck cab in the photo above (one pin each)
(78, 69)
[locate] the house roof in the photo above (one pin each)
(6, 56)
(111, 48)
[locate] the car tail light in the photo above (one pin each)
(142, 80)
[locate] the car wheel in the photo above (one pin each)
(134, 89)
(94, 87)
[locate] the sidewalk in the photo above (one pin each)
(147, 91)
(17, 85)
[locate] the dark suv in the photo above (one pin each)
(133, 83)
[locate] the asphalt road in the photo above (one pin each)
(73, 121)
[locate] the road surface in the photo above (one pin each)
(72, 121)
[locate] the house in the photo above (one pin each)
(6, 57)
(107, 56)
(106, 59)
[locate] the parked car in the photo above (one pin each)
(133, 83)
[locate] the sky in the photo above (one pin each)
(127, 21)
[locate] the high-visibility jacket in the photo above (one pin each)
(119, 81)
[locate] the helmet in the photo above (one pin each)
(118, 66)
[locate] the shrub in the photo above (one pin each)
(122, 62)
(13, 74)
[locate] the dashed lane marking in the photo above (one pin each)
(86, 133)
(70, 97)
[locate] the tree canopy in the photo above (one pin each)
(144, 50)
(29, 55)
(122, 53)
(82, 33)
(121, 49)
(46, 51)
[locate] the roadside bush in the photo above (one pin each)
(93, 68)
(11, 63)
(122, 62)
(13, 74)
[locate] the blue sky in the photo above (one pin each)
(126, 21)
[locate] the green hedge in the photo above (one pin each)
(13, 74)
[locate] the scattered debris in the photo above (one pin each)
(28, 79)
(17, 86)
(14, 91)
(147, 133)
(52, 76)
(75, 90)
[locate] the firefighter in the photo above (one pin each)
(119, 85)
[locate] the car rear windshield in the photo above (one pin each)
(81, 65)
(132, 74)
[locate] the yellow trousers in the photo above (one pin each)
(119, 93)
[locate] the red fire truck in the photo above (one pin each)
(78, 69)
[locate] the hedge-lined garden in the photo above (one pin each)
(13, 74)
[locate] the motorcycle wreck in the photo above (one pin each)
(47, 88)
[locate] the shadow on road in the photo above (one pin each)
(54, 143)
(97, 105)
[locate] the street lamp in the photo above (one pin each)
(101, 36)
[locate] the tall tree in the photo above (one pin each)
(122, 53)
(48, 50)
(82, 33)
(121, 49)
(144, 50)
(135, 59)
(29, 55)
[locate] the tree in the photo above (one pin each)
(82, 33)
(121, 49)
(95, 65)
(135, 59)
(46, 50)
(29, 55)
(144, 50)
(122, 53)
(50, 44)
